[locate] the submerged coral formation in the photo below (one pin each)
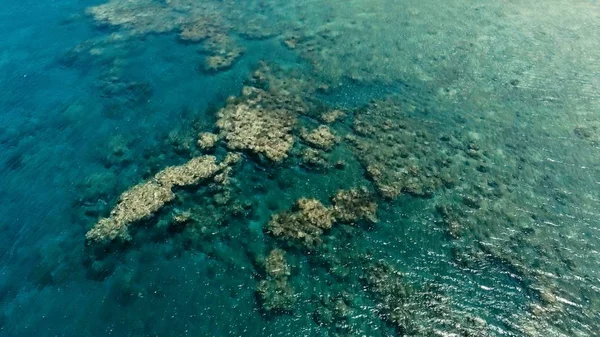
(332, 116)
(275, 293)
(259, 122)
(223, 52)
(321, 137)
(196, 22)
(276, 265)
(388, 285)
(207, 140)
(354, 205)
(309, 218)
(199, 30)
(143, 200)
(305, 223)
(399, 154)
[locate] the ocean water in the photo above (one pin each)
(406, 168)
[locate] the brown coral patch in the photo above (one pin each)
(207, 140)
(354, 205)
(259, 123)
(305, 223)
(276, 265)
(321, 137)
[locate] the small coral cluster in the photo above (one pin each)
(259, 122)
(223, 52)
(305, 223)
(207, 140)
(275, 293)
(143, 200)
(321, 137)
(309, 218)
(332, 116)
(354, 205)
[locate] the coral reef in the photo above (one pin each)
(196, 22)
(188, 174)
(276, 265)
(393, 294)
(275, 294)
(354, 205)
(259, 122)
(143, 200)
(207, 140)
(139, 16)
(399, 154)
(321, 137)
(332, 116)
(223, 52)
(313, 159)
(199, 30)
(309, 218)
(304, 224)
(139, 202)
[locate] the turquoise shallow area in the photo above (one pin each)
(508, 93)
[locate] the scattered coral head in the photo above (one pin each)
(276, 295)
(303, 224)
(207, 140)
(332, 116)
(223, 53)
(354, 205)
(257, 123)
(309, 218)
(276, 265)
(321, 137)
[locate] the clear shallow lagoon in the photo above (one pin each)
(472, 128)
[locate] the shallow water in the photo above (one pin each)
(473, 127)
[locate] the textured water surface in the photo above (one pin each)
(299, 168)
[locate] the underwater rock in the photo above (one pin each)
(143, 200)
(354, 205)
(321, 137)
(304, 224)
(258, 122)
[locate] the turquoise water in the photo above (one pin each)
(473, 128)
